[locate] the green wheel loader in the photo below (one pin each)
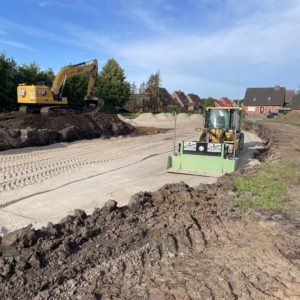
(217, 149)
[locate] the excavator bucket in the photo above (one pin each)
(93, 105)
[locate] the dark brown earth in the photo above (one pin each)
(176, 243)
(20, 130)
(28, 130)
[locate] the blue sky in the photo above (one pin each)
(199, 46)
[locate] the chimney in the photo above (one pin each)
(277, 88)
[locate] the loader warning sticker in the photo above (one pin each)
(214, 147)
(202, 148)
(190, 146)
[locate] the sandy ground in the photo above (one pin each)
(45, 183)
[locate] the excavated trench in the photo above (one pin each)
(176, 243)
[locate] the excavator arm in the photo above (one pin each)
(92, 104)
(73, 70)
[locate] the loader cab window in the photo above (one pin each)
(222, 118)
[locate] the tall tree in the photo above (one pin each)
(152, 92)
(112, 86)
(142, 87)
(8, 84)
(135, 103)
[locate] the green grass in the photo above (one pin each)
(266, 188)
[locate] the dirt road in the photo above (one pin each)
(44, 184)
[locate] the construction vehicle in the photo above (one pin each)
(217, 149)
(50, 101)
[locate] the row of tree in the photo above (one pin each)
(111, 85)
(149, 97)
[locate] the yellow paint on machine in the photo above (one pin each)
(39, 95)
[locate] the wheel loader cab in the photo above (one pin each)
(222, 118)
(221, 124)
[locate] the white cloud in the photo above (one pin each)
(43, 4)
(15, 44)
(259, 47)
(48, 3)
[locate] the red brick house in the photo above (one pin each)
(224, 102)
(194, 101)
(180, 99)
(259, 101)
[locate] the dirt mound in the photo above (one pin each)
(175, 243)
(293, 117)
(197, 118)
(21, 130)
(145, 117)
(168, 118)
(164, 117)
(183, 117)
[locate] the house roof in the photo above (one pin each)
(265, 96)
(166, 95)
(224, 102)
(194, 99)
(296, 102)
(180, 98)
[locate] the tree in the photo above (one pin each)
(112, 86)
(152, 92)
(142, 88)
(209, 102)
(135, 102)
(32, 74)
(75, 89)
(8, 84)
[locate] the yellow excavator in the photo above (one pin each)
(50, 101)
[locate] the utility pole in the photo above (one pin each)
(238, 82)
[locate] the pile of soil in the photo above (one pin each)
(26, 130)
(292, 117)
(176, 243)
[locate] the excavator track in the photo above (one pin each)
(59, 111)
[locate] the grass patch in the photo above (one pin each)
(265, 189)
